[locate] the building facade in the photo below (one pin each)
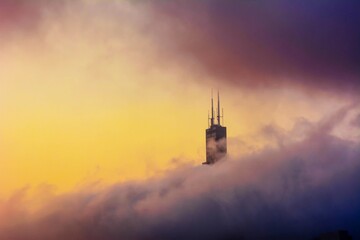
(216, 147)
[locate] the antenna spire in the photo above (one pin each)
(208, 118)
(218, 109)
(222, 116)
(212, 109)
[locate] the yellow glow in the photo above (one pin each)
(87, 104)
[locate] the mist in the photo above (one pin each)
(297, 190)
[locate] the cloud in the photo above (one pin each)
(305, 186)
(22, 15)
(296, 191)
(306, 44)
(356, 121)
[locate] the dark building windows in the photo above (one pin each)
(216, 147)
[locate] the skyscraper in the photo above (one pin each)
(215, 136)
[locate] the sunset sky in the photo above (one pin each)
(105, 92)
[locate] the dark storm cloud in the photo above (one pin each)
(298, 191)
(311, 44)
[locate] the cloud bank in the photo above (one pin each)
(305, 44)
(23, 16)
(296, 191)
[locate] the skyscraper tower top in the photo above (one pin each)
(218, 109)
(216, 147)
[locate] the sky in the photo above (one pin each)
(104, 107)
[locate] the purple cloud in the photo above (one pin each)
(297, 191)
(307, 44)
